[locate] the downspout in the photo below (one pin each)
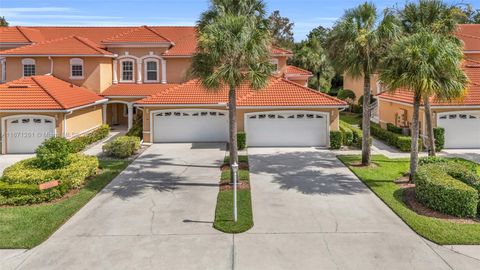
(51, 65)
(65, 123)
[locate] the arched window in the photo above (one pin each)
(126, 66)
(151, 70)
(28, 67)
(76, 68)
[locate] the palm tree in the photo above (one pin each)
(436, 17)
(425, 63)
(311, 56)
(356, 45)
(233, 48)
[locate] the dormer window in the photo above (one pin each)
(127, 71)
(151, 70)
(28, 67)
(76, 68)
(274, 62)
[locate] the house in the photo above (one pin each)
(459, 118)
(66, 81)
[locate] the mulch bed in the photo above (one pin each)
(413, 204)
(240, 186)
(241, 166)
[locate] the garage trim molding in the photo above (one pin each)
(4, 119)
(174, 110)
(326, 114)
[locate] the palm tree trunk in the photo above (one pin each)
(319, 88)
(366, 121)
(415, 131)
(428, 122)
(232, 124)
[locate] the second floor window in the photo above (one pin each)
(76, 68)
(127, 71)
(274, 62)
(152, 71)
(28, 67)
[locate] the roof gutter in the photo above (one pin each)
(182, 105)
(60, 55)
(98, 102)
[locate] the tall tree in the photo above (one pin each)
(233, 48)
(281, 30)
(356, 45)
(3, 21)
(466, 14)
(425, 63)
(321, 34)
(432, 16)
(310, 55)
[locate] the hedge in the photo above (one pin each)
(470, 165)
(122, 147)
(391, 127)
(336, 139)
(403, 143)
(80, 143)
(241, 140)
(20, 181)
(439, 135)
(346, 93)
(53, 153)
(347, 133)
(136, 130)
(436, 188)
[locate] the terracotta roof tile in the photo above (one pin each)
(44, 92)
(277, 50)
(139, 34)
(137, 90)
(470, 35)
(12, 35)
(472, 96)
(279, 92)
(293, 70)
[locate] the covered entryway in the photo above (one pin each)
(288, 128)
(23, 134)
(186, 125)
(462, 129)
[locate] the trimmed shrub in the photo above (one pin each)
(53, 153)
(403, 143)
(136, 130)
(347, 133)
(80, 143)
(391, 127)
(241, 140)
(439, 135)
(470, 165)
(439, 190)
(346, 93)
(336, 139)
(11, 190)
(122, 147)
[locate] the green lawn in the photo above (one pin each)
(224, 212)
(351, 118)
(28, 226)
(241, 159)
(243, 175)
(380, 180)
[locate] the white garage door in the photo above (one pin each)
(190, 126)
(462, 129)
(25, 134)
(286, 129)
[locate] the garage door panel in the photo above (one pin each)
(190, 126)
(462, 129)
(286, 129)
(25, 134)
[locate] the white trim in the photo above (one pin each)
(182, 105)
(77, 62)
(115, 71)
(98, 102)
(3, 63)
(164, 70)
(127, 59)
(293, 107)
(13, 44)
(326, 114)
(468, 52)
(28, 61)
(126, 96)
(145, 69)
(3, 120)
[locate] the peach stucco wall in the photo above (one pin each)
(84, 120)
(356, 84)
(177, 69)
(334, 116)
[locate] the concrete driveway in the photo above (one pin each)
(311, 212)
(157, 214)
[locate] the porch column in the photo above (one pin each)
(164, 70)
(115, 77)
(139, 71)
(4, 73)
(104, 113)
(130, 115)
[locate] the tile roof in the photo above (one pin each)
(137, 90)
(44, 92)
(139, 34)
(280, 51)
(471, 98)
(293, 70)
(71, 45)
(12, 35)
(470, 35)
(279, 92)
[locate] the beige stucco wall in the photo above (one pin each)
(84, 120)
(356, 84)
(177, 69)
(334, 116)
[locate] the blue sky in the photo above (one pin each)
(306, 14)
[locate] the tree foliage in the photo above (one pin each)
(281, 30)
(466, 14)
(3, 21)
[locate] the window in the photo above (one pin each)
(76, 68)
(28, 67)
(127, 71)
(274, 62)
(151, 71)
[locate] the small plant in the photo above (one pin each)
(122, 147)
(241, 140)
(343, 94)
(80, 143)
(391, 127)
(439, 135)
(336, 139)
(136, 130)
(53, 153)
